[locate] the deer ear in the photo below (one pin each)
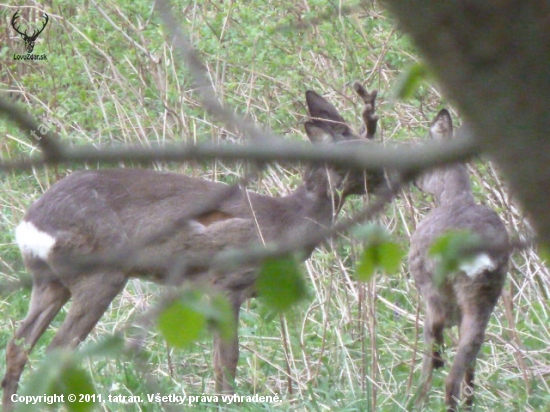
(442, 126)
(321, 109)
(324, 115)
(317, 134)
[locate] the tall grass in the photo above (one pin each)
(349, 346)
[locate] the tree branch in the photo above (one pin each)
(492, 59)
(51, 149)
(362, 156)
(201, 82)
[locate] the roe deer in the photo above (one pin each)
(93, 212)
(467, 298)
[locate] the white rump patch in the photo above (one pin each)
(196, 227)
(32, 241)
(478, 265)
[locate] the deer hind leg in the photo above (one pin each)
(472, 333)
(48, 297)
(433, 341)
(468, 387)
(226, 351)
(92, 295)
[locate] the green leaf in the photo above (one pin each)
(59, 374)
(450, 250)
(75, 381)
(411, 80)
(42, 380)
(181, 324)
(391, 255)
(384, 256)
(367, 264)
(280, 283)
(380, 253)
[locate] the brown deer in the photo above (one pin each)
(96, 211)
(468, 297)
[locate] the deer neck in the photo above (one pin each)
(316, 206)
(454, 187)
(313, 211)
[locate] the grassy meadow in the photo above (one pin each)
(349, 346)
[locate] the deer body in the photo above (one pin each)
(468, 298)
(114, 209)
(94, 212)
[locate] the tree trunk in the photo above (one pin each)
(492, 58)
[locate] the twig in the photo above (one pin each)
(201, 82)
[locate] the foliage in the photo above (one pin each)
(61, 379)
(351, 345)
(183, 320)
(411, 80)
(280, 283)
(379, 253)
(452, 249)
(180, 324)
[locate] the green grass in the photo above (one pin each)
(348, 346)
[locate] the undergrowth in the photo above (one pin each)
(350, 346)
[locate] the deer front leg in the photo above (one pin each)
(226, 350)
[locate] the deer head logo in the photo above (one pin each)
(29, 40)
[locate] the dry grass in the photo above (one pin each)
(351, 346)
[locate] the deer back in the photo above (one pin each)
(456, 209)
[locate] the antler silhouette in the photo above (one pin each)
(370, 118)
(29, 40)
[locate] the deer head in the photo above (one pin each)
(29, 40)
(328, 126)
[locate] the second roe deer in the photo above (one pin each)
(468, 297)
(93, 212)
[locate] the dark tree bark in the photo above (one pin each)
(492, 58)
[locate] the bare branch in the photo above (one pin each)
(405, 158)
(201, 81)
(52, 150)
